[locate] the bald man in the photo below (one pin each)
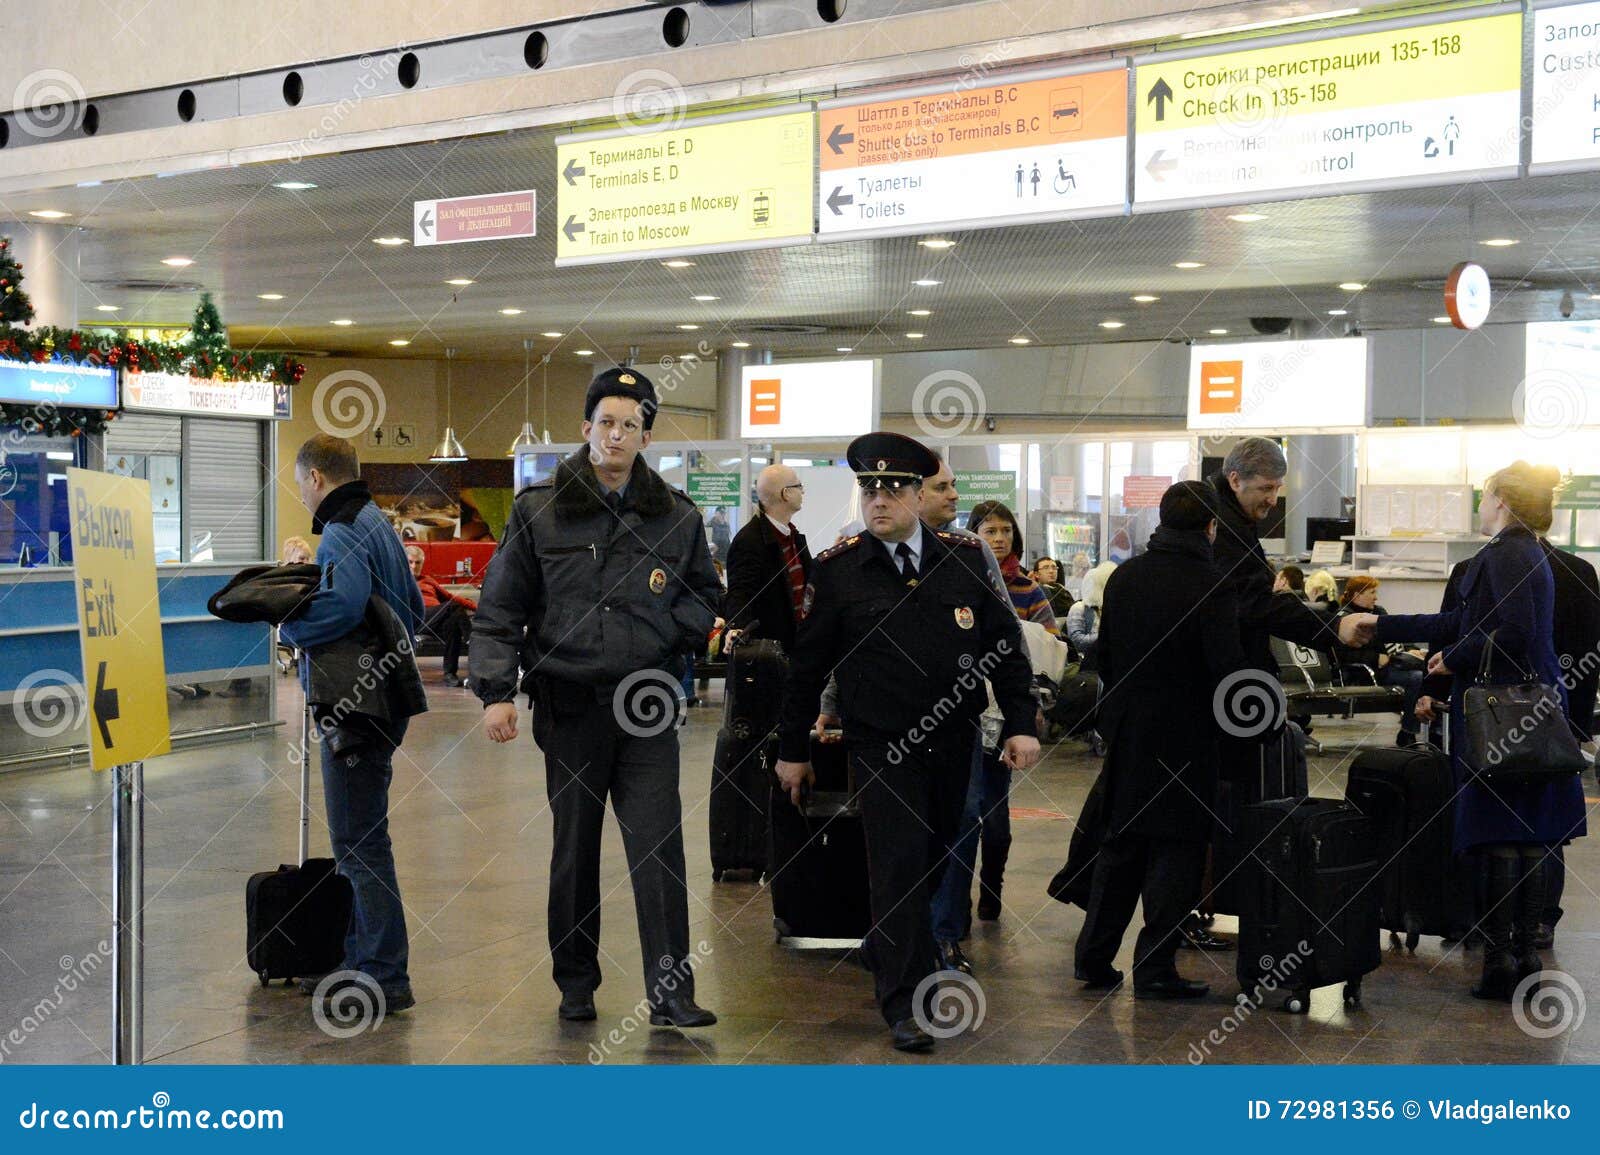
(768, 562)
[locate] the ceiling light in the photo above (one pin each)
(583, 352)
(48, 214)
(343, 321)
(1351, 286)
(1021, 340)
(1188, 264)
(844, 349)
(1218, 332)
(688, 356)
(678, 263)
(1500, 242)
(1246, 218)
(1594, 296)
(919, 312)
(461, 282)
(177, 262)
(293, 185)
(107, 308)
(552, 334)
(399, 341)
(937, 243)
(1278, 23)
(269, 296)
(1338, 312)
(913, 336)
(1441, 320)
(390, 242)
(1146, 298)
(704, 297)
(511, 312)
(688, 328)
(1111, 324)
(739, 344)
(927, 283)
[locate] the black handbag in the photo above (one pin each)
(1517, 735)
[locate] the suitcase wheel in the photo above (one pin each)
(716, 874)
(1352, 995)
(1411, 942)
(1298, 1002)
(1098, 745)
(1394, 940)
(265, 978)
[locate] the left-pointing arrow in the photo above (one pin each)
(838, 197)
(426, 223)
(573, 227)
(573, 171)
(105, 707)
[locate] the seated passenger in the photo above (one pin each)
(1321, 590)
(1291, 579)
(297, 551)
(446, 616)
(1083, 621)
(1047, 572)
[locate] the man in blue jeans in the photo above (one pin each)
(361, 558)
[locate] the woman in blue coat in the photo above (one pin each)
(1507, 589)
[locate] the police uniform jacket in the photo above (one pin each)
(586, 594)
(910, 662)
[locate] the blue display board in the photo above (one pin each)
(58, 383)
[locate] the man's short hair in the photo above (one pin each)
(1188, 506)
(1294, 577)
(333, 457)
(1256, 457)
(416, 551)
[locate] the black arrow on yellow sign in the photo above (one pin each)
(573, 171)
(105, 707)
(573, 227)
(1160, 93)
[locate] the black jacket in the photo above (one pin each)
(1169, 635)
(911, 661)
(1577, 632)
(1263, 615)
(583, 594)
(758, 583)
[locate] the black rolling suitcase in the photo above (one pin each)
(1424, 887)
(818, 857)
(1281, 773)
(741, 768)
(1308, 913)
(296, 916)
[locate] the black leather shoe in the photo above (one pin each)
(909, 1037)
(951, 958)
(1172, 987)
(577, 1006)
(1098, 978)
(1196, 937)
(680, 1012)
(453, 681)
(988, 905)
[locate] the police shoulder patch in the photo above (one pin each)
(957, 538)
(840, 547)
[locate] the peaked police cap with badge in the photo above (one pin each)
(890, 461)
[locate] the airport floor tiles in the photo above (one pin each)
(473, 842)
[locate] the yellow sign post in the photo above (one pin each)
(737, 182)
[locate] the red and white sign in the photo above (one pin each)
(1467, 296)
(491, 217)
(1274, 387)
(1062, 492)
(1143, 491)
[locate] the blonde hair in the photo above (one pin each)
(1094, 583)
(297, 543)
(1321, 582)
(1528, 492)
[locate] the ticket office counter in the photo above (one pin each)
(220, 675)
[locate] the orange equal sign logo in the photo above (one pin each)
(1221, 386)
(765, 400)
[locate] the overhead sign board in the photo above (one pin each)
(1025, 149)
(1566, 87)
(810, 399)
(736, 182)
(177, 393)
(1275, 386)
(491, 217)
(58, 383)
(119, 617)
(1413, 103)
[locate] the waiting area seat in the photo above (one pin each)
(1313, 685)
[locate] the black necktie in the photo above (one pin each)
(908, 569)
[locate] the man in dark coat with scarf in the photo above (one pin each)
(1169, 645)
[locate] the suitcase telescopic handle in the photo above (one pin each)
(305, 783)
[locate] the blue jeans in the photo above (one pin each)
(986, 817)
(355, 790)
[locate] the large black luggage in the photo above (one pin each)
(1308, 908)
(1280, 772)
(746, 751)
(817, 857)
(1424, 887)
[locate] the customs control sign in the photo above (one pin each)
(1412, 104)
(119, 617)
(737, 182)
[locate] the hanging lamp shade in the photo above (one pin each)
(449, 447)
(527, 439)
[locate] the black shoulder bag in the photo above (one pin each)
(1517, 735)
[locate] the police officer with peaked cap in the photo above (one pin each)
(904, 617)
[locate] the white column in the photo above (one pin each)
(49, 258)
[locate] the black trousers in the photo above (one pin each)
(911, 799)
(588, 758)
(452, 625)
(1167, 875)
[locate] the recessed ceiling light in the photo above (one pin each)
(1188, 264)
(1594, 296)
(1246, 218)
(844, 349)
(937, 243)
(398, 341)
(107, 308)
(269, 296)
(1111, 324)
(1021, 340)
(343, 321)
(583, 352)
(48, 214)
(1338, 312)
(739, 344)
(1441, 320)
(913, 336)
(919, 312)
(552, 334)
(177, 262)
(390, 242)
(293, 185)
(461, 282)
(1218, 332)
(688, 328)
(704, 297)
(678, 263)
(511, 312)
(688, 356)
(1351, 286)
(927, 283)
(1500, 242)
(1145, 298)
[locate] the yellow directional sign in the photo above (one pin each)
(119, 617)
(724, 183)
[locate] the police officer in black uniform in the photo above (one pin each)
(905, 618)
(600, 585)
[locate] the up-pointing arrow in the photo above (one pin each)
(573, 170)
(105, 707)
(573, 227)
(1160, 93)
(426, 223)
(838, 138)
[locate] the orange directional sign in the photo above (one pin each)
(1033, 149)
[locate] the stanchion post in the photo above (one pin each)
(305, 783)
(127, 912)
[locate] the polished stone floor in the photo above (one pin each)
(473, 839)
